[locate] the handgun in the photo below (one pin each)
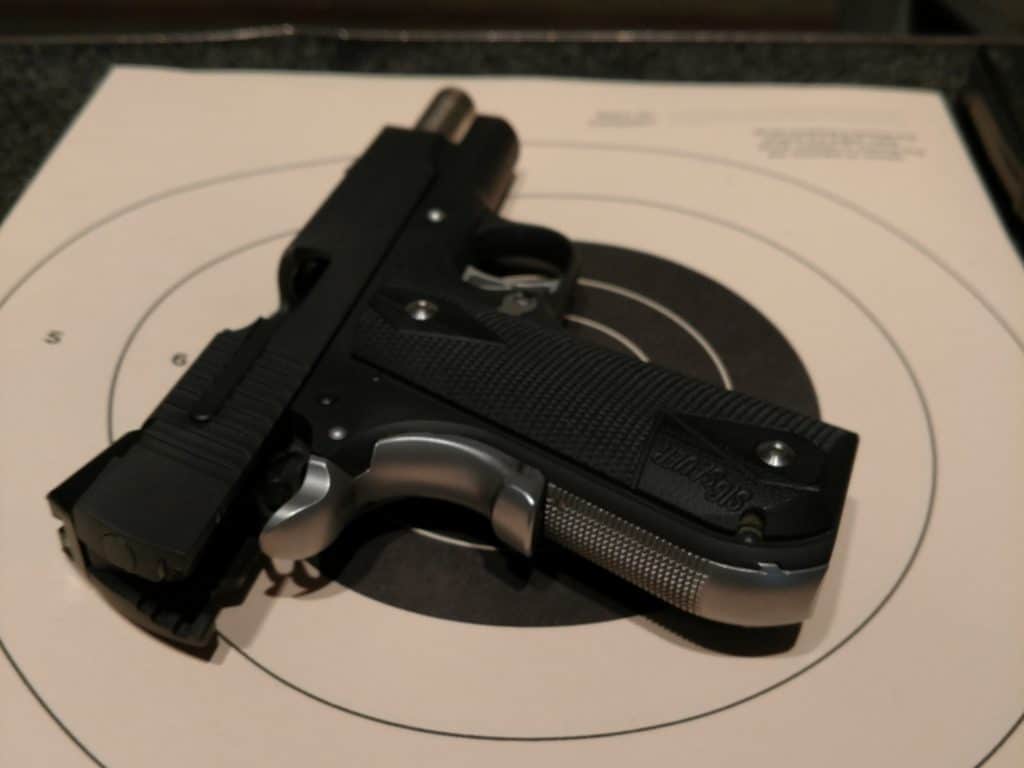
(419, 352)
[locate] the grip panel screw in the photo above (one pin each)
(421, 310)
(776, 453)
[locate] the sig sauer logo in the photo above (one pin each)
(718, 489)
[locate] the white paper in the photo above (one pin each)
(851, 217)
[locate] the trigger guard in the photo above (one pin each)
(445, 467)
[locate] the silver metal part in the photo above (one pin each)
(462, 471)
(776, 453)
(337, 433)
(517, 303)
(768, 596)
(435, 216)
(451, 468)
(475, 475)
(485, 281)
(313, 517)
(421, 310)
(450, 114)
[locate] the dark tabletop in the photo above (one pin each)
(43, 83)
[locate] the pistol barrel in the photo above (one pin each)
(449, 114)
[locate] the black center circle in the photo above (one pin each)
(424, 559)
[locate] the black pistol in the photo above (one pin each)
(419, 352)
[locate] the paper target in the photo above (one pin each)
(424, 627)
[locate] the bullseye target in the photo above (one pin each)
(416, 634)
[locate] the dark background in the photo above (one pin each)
(990, 17)
(54, 52)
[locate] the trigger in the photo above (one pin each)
(312, 518)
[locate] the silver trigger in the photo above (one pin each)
(451, 468)
(312, 518)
